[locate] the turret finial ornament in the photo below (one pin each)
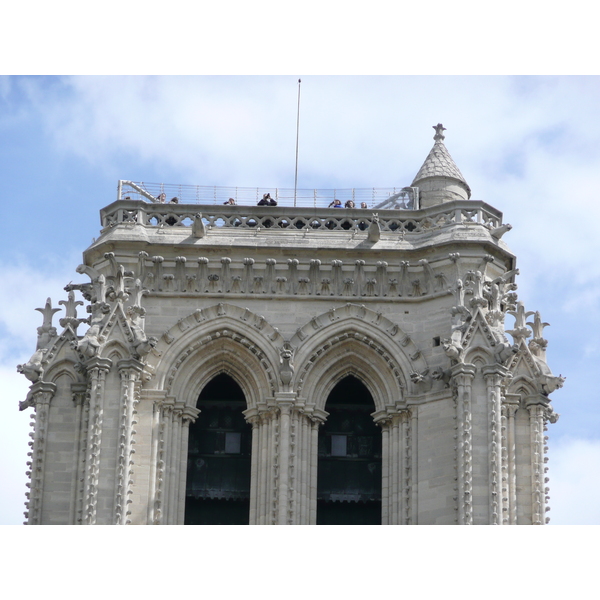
(439, 129)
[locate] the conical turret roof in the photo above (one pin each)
(439, 163)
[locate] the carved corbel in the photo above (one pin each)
(202, 274)
(382, 277)
(429, 278)
(157, 275)
(359, 276)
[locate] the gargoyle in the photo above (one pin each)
(145, 346)
(550, 383)
(504, 351)
(89, 344)
(142, 344)
(33, 369)
(498, 232)
(453, 349)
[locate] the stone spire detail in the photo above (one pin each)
(439, 179)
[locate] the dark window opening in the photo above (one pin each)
(219, 448)
(349, 467)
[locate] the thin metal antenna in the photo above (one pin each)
(297, 134)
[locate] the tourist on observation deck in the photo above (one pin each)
(266, 200)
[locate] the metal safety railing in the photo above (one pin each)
(391, 197)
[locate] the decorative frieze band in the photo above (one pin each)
(313, 278)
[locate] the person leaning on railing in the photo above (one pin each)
(349, 204)
(362, 225)
(172, 220)
(336, 204)
(266, 200)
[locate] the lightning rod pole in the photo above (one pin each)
(297, 134)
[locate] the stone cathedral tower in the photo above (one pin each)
(290, 363)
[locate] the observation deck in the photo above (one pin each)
(203, 209)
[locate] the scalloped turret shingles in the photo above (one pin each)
(439, 163)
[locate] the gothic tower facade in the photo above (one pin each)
(285, 364)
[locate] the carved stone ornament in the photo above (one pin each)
(286, 368)
(33, 369)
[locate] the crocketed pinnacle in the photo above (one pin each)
(439, 163)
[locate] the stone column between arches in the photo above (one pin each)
(399, 465)
(170, 430)
(284, 461)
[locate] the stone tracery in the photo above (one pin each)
(413, 305)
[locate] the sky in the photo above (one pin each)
(523, 133)
(527, 145)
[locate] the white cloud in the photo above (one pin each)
(30, 286)
(527, 146)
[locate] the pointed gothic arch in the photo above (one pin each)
(371, 334)
(64, 366)
(218, 474)
(219, 338)
(349, 478)
(350, 351)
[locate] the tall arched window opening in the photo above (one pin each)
(349, 467)
(218, 469)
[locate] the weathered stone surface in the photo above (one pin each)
(412, 304)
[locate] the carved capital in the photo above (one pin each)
(78, 391)
(42, 392)
(96, 362)
(189, 414)
(494, 374)
(130, 366)
(465, 371)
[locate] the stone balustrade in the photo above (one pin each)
(320, 219)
